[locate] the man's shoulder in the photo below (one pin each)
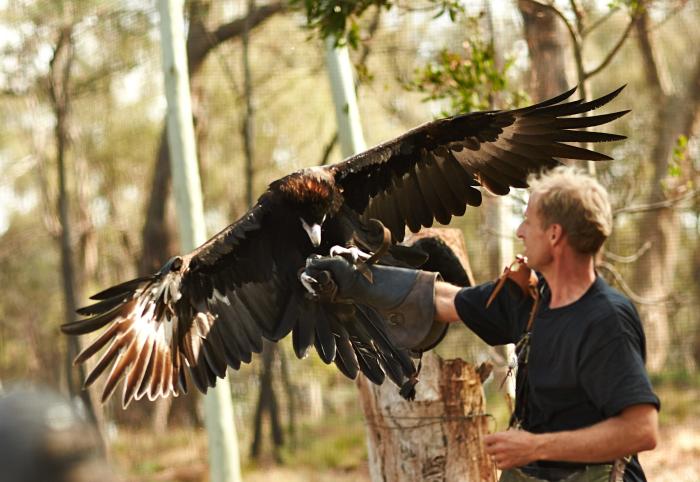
(610, 310)
(609, 298)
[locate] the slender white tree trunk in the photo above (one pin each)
(438, 437)
(347, 114)
(223, 443)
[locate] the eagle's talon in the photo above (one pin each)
(353, 253)
(309, 282)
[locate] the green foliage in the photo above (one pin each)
(632, 5)
(678, 157)
(468, 81)
(340, 18)
(337, 19)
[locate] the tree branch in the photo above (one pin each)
(631, 258)
(611, 54)
(651, 66)
(578, 15)
(198, 50)
(626, 288)
(328, 149)
(681, 5)
(600, 21)
(666, 203)
(693, 100)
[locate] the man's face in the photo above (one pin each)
(535, 237)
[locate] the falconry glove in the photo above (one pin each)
(404, 297)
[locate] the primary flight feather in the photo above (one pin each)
(211, 308)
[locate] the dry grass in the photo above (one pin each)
(178, 456)
(334, 450)
(181, 457)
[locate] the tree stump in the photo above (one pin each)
(454, 238)
(437, 437)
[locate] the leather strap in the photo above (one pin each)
(530, 289)
(363, 267)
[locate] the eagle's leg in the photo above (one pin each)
(353, 253)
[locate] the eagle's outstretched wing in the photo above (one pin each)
(433, 171)
(201, 311)
(211, 308)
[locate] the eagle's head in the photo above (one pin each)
(313, 195)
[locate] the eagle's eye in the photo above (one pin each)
(176, 264)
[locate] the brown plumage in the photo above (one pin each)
(211, 308)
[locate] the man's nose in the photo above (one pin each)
(519, 231)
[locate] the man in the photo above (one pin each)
(584, 401)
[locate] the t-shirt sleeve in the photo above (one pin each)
(503, 321)
(612, 372)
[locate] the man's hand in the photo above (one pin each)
(634, 430)
(513, 448)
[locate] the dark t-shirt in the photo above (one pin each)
(586, 360)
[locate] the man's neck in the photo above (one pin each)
(569, 277)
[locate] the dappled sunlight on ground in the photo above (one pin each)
(360, 474)
(676, 457)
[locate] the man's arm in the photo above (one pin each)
(445, 310)
(445, 293)
(634, 430)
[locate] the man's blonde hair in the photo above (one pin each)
(576, 201)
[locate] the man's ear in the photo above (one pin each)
(555, 233)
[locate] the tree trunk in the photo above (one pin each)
(157, 234)
(267, 403)
(438, 436)
(454, 239)
(291, 393)
(546, 42)
(59, 78)
(158, 239)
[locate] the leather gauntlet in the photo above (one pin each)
(404, 297)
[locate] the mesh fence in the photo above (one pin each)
(294, 124)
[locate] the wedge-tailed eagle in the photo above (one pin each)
(211, 308)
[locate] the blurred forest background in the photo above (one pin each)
(85, 197)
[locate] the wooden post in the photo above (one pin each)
(452, 237)
(438, 436)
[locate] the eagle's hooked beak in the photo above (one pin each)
(313, 231)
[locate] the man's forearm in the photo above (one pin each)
(635, 430)
(445, 310)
